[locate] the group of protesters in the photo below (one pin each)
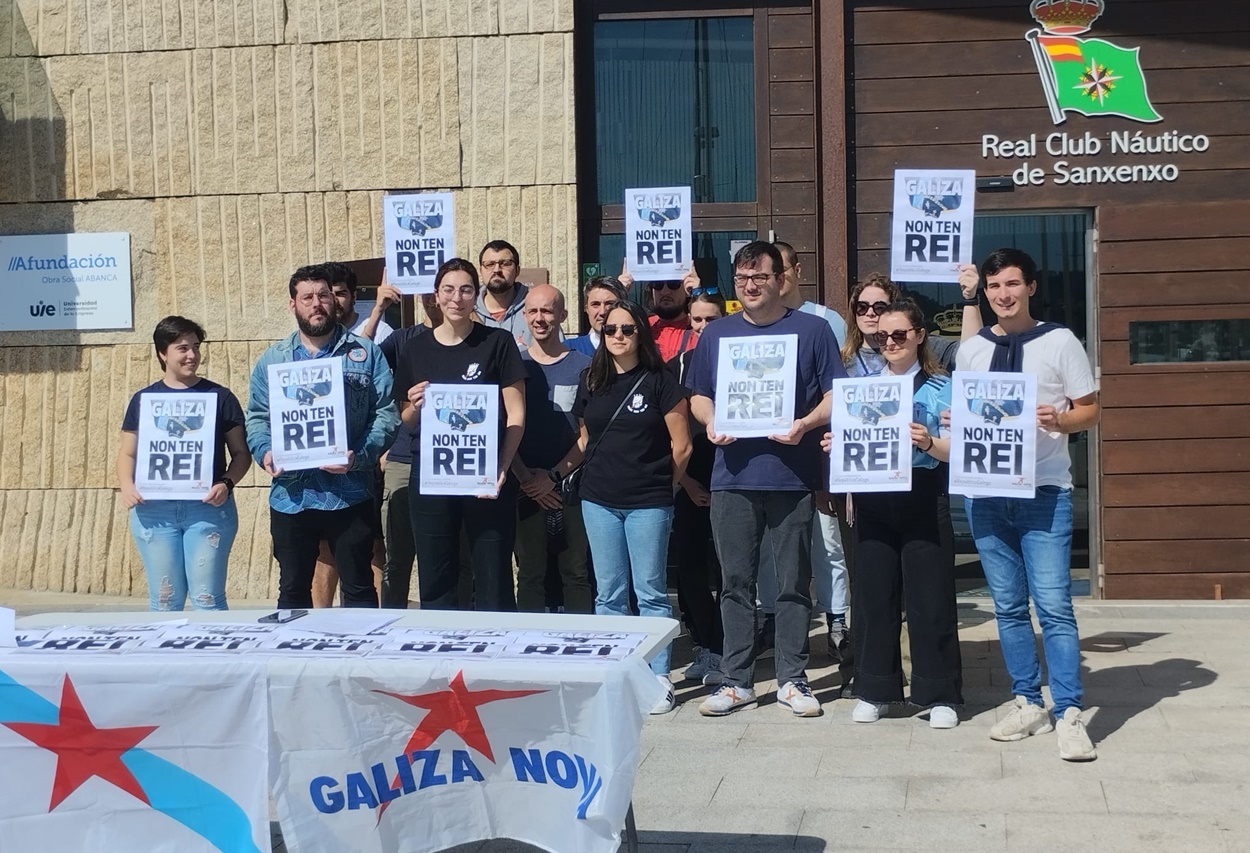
(607, 445)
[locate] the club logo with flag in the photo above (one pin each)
(1089, 76)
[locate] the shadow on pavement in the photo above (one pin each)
(1122, 692)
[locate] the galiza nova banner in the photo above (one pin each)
(460, 440)
(177, 442)
(419, 231)
(659, 239)
(307, 414)
(755, 385)
(871, 428)
(109, 755)
(993, 434)
(417, 755)
(931, 233)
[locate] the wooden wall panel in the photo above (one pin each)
(1181, 587)
(1175, 455)
(1170, 556)
(1231, 488)
(1126, 423)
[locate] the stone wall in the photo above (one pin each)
(236, 140)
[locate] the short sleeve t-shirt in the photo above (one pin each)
(401, 450)
(485, 357)
(229, 415)
(550, 391)
(833, 318)
(761, 464)
(631, 467)
(1063, 375)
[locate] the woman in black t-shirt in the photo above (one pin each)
(633, 417)
(461, 351)
(185, 544)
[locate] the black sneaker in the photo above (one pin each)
(839, 639)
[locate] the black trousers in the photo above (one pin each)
(491, 529)
(696, 567)
(898, 543)
(297, 539)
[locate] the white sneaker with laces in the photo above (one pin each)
(867, 712)
(669, 700)
(699, 667)
(726, 700)
(1025, 720)
(714, 675)
(1074, 742)
(797, 697)
(943, 717)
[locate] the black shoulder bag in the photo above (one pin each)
(570, 486)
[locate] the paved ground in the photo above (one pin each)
(1168, 686)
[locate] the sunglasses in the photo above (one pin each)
(626, 329)
(710, 291)
(878, 308)
(899, 337)
(660, 285)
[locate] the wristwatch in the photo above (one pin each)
(971, 303)
(555, 478)
(228, 483)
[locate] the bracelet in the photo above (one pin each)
(930, 447)
(229, 484)
(971, 303)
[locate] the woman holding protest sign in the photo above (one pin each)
(462, 352)
(898, 543)
(635, 431)
(184, 542)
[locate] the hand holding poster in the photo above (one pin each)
(871, 423)
(755, 385)
(932, 230)
(177, 440)
(993, 434)
(307, 414)
(420, 235)
(658, 236)
(460, 440)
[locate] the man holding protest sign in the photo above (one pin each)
(1025, 544)
(764, 483)
(331, 501)
(501, 304)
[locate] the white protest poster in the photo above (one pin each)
(419, 232)
(932, 228)
(66, 281)
(755, 385)
(460, 440)
(177, 442)
(871, 427)
(993, 434)
(307, 414)
(659, 240)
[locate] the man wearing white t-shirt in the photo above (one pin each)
(1026, 544)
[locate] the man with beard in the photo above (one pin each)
(670, 311)
(501, 304)
(334, 502)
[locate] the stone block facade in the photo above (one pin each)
(236, 140)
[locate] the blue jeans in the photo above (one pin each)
(1026, 549)
(185, 546)
(625, 542)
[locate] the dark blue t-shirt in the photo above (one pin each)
(550, 389)
(229, 414)
(761, 464)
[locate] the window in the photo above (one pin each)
(1164, 341)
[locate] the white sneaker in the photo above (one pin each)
(699, 667)
(1025, 720)
(797, 697)
(1074, 742)
(667, 703)
(943, 717)
(726, 700)
(714, 675)
(867, 712)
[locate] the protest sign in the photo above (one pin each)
(932, 229)
(993, 434)
(755, 385)
(307, 414)
(460, 440)
(177, 440)
(419, 232)
(871, 427)
(659, 240)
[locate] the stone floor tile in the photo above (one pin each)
(874, 830)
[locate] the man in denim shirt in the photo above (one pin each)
(334, 502)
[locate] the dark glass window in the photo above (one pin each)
(1154, 342)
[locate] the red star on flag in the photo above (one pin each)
(82, 750)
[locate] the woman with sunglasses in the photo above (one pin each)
(635, 433)
(898, 544)
(460, 350)
(868, 299)
(692, 521)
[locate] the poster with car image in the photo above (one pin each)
(659, 240)
(871, 429)
(460, 440)
(177, 440)
(419, 232)
(993, 434)
(307, 414)
(755, 385)
(932, 226)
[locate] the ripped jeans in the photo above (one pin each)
(185, 546)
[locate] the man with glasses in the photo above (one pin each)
(601, 294)
(501, 304)
(764, 486)
(670, 315)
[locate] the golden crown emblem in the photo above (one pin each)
(950, 321)
(1066, 17)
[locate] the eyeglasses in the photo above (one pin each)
(660, 285)
(759, 279)
(899, 337)
(465, 292)
(499, 265)
(878, 308)
(709, 291)
(626, 329)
